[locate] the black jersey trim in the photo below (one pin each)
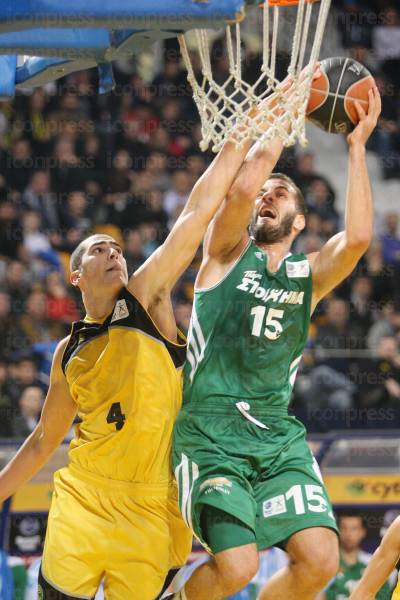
(133, 316)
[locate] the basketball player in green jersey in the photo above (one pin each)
(247, 479)
(382, 563)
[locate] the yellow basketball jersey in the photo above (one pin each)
(126, 380)
(396, 592)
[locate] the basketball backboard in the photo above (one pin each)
(43, 40)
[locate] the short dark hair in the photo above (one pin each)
(351, 514)
(76, 256)
(300, 202)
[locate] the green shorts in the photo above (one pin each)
(267, 478)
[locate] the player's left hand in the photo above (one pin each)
(368, 120)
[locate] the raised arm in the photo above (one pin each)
(341, 253)
(159, 273)
(57, 416)
(381, 564)
(228, 231)
(227, 234)
(162, 269)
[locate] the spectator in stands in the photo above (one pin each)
(387, 325)
(385, 139)
(130, 138)
(16, 283)
(133, 250)
(66, 174)
(30, 406)
(157, 168)
(175, 198)
(35, 241)
(120, 175)
(305, 174)
(20, 165)
(37, 116)
(10, 231)
(339, 332)
(312, 231)
(76, 219)
(319, 201)
(353, 24)
(157, 214)
(386, 44)
(37, 197)
(11, 334)
(150, 238)
(387, 367)
(362, 309)
(160, 141)
(353, 561)
(6, 404)
(60, 306)
(95, 160)
(380, 274)
(35, 323)
(136, 210)
(196, 164)
(171, 81)
(22, 373)
(71, 108)
(391, 241)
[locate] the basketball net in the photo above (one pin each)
(226, 108)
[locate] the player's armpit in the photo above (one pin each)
(335, 261)
(57, 416)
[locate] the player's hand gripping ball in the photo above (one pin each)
(342, 81)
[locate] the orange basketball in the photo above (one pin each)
(331, 104)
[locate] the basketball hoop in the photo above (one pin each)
(227, 109)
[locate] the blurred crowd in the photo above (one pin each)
(73, 162)
(371, 30)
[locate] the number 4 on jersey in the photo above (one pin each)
(116, 416)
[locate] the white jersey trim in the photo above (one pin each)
(229, 271)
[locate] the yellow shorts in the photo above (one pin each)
(128, 534)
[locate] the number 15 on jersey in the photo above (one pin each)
(272, 327)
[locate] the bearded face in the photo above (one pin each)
(268, 231)
(274, 213)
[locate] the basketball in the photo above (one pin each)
(331, 104)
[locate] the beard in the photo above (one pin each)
(267, 233)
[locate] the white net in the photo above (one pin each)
(226, 107)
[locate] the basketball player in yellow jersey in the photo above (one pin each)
(380, 566)
(113, 511)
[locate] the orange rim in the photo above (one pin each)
(287, 2)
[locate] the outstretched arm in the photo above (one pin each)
(342, 252)
(57, 416)
(381, 564)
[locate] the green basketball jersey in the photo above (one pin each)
(248, 332)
